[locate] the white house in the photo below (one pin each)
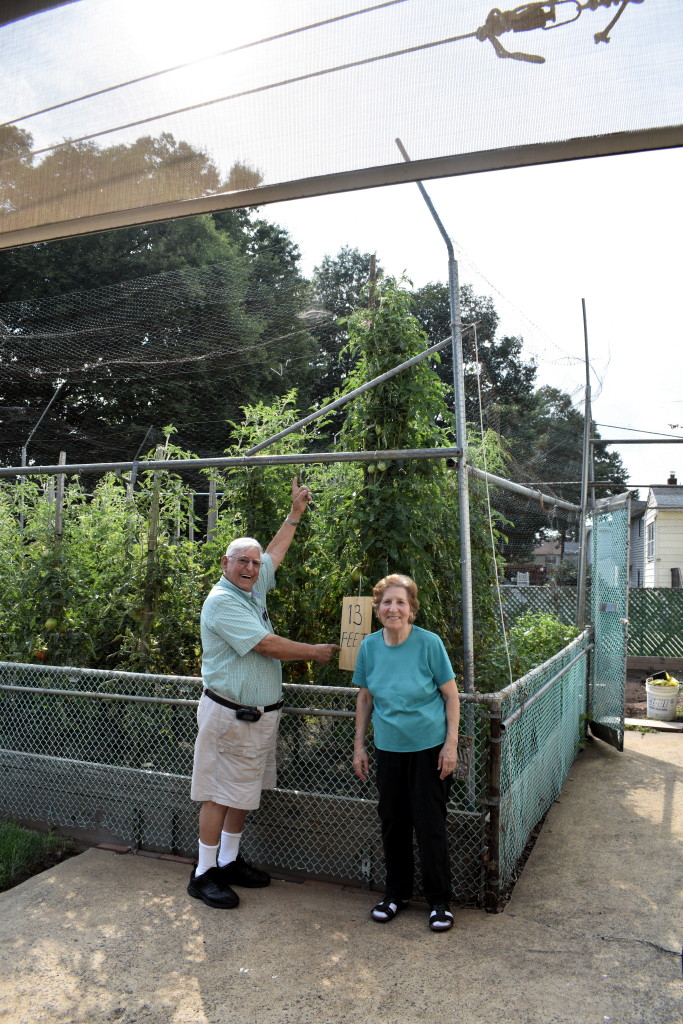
(549, 552)
(657, 538)
(636, 566)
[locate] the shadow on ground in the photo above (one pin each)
(592, 932)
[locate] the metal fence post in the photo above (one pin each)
(492, 882)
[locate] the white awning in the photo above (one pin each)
(119, 112)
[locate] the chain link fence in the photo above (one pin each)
(537, 722)
(109, 754)
(557, 601)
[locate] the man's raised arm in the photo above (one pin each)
(279, 545)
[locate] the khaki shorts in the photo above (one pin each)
(233, 760)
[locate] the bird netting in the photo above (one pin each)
(116, 114)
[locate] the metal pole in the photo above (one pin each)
(59, 500)
(547, 500)
(585, 465)
(24, 447)
(40, 420)
(492, 890)
(352, 394)
(638, 440)
(461, 441)
(230, 461)
(212, 518)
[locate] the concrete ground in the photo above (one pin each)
(592, 934)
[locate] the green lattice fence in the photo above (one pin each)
(557, 601)
(655, 623)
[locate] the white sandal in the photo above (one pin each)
(387, 910)
(440, 918)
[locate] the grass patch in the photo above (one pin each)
(24, 853)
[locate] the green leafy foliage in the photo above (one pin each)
(397, 498)
(534, 638)
(123, 584)
(184, 320)
(79, 599)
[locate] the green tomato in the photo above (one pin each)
(371, 467)
(51, 623)
(382, 467)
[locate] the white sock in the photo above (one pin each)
(206, 859)
(230, 845)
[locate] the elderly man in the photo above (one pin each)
(239, 711)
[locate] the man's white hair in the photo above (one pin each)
(241, 544)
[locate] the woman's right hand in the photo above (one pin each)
(361, 764)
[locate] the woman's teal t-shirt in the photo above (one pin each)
(409, 712)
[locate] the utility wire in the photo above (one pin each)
(250, 92)
(524, 18)
(200, 60)
(521, 19)
(638, 430)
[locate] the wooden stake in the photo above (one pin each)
(59, 500)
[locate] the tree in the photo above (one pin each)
(541, 431)
(279, 295)
(340, 286)
(142, 173)
(546, 447)
(551, 445)
(15, 166)
(504, 379)
(180, 321)
(400, 515)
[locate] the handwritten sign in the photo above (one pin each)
(356, 622)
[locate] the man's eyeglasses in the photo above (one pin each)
(246, 562)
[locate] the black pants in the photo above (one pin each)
(412, 796)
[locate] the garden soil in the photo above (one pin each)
(592, 933)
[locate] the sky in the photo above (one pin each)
(538, 240)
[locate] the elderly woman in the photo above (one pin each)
(407, 686)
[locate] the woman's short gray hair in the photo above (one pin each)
(397, 579)
(241, 544)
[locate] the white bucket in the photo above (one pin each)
(661, 700)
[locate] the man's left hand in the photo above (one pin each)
(301, 496)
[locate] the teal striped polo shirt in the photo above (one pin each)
(232, 623)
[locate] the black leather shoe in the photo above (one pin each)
(239, 872)
(212, 888)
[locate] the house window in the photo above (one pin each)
(651, 542)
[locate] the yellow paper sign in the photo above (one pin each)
(356, 622)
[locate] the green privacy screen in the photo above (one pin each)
(609, 607)
(116, 112)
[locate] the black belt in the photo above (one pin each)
(236, 707)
